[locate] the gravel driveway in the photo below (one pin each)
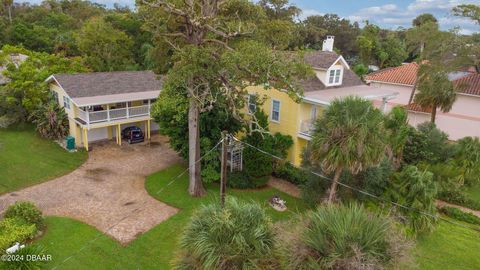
(107, 191)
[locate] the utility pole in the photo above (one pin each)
(223, 170)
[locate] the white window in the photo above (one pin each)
(275, 115)
(334, 76)
(313, 113)
(66, 102)
(252, 103)
(55, 96)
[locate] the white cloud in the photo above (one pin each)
(309, 12)
(392, 16)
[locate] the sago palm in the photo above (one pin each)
(434, 90)
(350, 136)
(239, 236)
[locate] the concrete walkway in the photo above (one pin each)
(107, 191)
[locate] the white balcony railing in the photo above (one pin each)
(307, 127)
(113, 114)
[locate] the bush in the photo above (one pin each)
(239, 236)
(14, 230)
(375, 179)
(428, 144)
(292, 174)
(313, 191)
(343, 237)
(27, 212)
(26, 264)
(460, 215)
(414, 189)
(241, 180)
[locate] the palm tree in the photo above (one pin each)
(396, 122)
(51, 121)
(350, 136)
(435, 90)
(239, 236)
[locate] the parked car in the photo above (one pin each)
(133, 134)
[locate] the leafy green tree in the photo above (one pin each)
(417, 190)
(345, 32)
(469, 11)
(239, 236)
(27, 88)
(423, 19)
(349, 137)
(50, 120)
(171, 113)
(105, 48)
(214, 56)
(396, 123)
(434, 90)
(344, 237)
(392, 52)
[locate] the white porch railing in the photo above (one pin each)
(113, 114)
(307, 127)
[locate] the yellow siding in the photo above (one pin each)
(72, 113)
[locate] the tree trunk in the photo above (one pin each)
(333, 187)
(195, 187)
(434, 113)
(10, 13)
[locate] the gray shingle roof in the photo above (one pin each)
(321, 59)
(349, 79)
(108, 83)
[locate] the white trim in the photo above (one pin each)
(340, 78)
(382, 82)
(279, 109)
(344, 62)
(468, 95)
(315, 101)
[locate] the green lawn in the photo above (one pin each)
(449, 247)
(26, 159)
(473, 192)
(154, 249)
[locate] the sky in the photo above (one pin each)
(386, 13)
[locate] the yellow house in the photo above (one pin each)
(101, 104)
(333, 79)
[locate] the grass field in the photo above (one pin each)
(152, 250)
(449, 247)
(473, 192)
(26, 159)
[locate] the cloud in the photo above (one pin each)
(392, 16)
(309, 12)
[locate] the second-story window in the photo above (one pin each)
(275, 116)
(334, 76)
(55, 96)
(66, 102)
(252, 103)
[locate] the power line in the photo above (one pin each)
(137, 210)
(360, 190)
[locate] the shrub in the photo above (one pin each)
(313, 191)
(428, 144)
(240, 236)
(448, 178)
(460, 215)
(26, 264)
(14, 230)
(292, 174)
(27, 212)
(467, 157)
(241, 180)
(51, 120)
(375, 179)
(343, 237)
(415, 189)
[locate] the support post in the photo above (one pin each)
(108, 112)
(88, 117)
(148, 129)
(128, 113)
(223, 171)
(119, 134)
(85, 139)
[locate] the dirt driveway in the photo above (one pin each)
(108, 190)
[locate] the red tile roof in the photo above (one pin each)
(404, 74)
(469, 84)
(416, 108)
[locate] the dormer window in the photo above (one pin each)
(335, 76)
